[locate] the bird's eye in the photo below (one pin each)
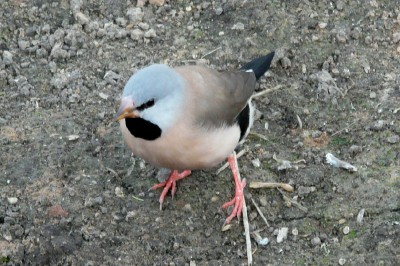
(145, 105)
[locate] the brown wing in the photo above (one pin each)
(215, 98)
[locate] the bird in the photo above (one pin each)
(189, 118)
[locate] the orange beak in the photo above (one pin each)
(126, 110)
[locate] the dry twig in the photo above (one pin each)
(222, 168)
(261, 93)
(285, 186)
(343, 129)
(260, 212)
(258, 135)
(216, 49)
(299, 121)
(292, 202)
(112, 171)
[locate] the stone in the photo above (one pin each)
(7, 58)
(12, 200)
(82, 18)
(316, 241)
(157, 2)
(137, 34)
(135, 15)
(151, 33)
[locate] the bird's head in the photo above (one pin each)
(154, 94)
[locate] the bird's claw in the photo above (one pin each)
(237, 201)
(170, 183)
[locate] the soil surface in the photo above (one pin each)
(72, 194)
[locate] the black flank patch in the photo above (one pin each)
(243, 119)
(143, 129)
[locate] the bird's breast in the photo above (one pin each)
(182, 147)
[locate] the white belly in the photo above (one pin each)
(180, 148)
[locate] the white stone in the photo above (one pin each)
(12, 200)
(282, 234)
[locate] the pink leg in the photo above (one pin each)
(237, 201)
(170, 182)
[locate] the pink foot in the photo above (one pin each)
(170, 182)
(237, 201)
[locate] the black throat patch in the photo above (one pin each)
(143, 129)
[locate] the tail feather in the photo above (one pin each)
(259, 65)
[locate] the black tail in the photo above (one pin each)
(259, 65)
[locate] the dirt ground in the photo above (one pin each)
(72, 194)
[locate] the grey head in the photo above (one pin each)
(156, 92)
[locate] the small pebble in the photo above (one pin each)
(396, 37)
(7, 58)
(305, 190)
(46, 28)
(286, 63)
(218, 11)
(226, 227)
(238, 26)
(187, 207)
(90, 202)
(119, 192)
(214, 198)
(23, 45)
(372, 95)
(7, 235)
(56, 211)
(103, 96)
(256, 162)
(316, 241)
(342, 261)
(17, 230)
(12, 200)
(393, 139)
(346, 230)
(263, 201)
(131, 214)
(82, 18)
(346, 72)
(136, 34)
(157, 2)
(322, 25)
(253, 215)
(122, 22)
(205, 5)
(323, 237)
(208, 232)
(151, 33)
(295, 231)
(378, 125)
(303, 68)
(135, 15)
(342, 221)
(339, 5)
(355, 149)
(144, 26)
(282, 234)
(73, 137)
(360, 216)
